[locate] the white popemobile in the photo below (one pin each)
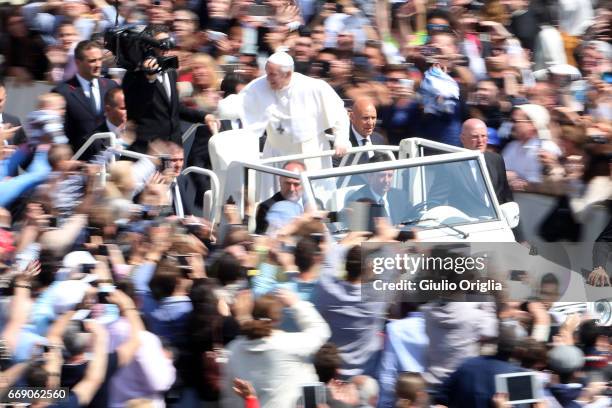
(424, 205)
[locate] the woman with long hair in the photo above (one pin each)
(277, 363)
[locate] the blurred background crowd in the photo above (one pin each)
(129, 298)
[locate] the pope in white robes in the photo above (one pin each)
(294, 110)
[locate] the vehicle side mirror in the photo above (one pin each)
(511, 213)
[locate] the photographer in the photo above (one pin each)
(151, 97)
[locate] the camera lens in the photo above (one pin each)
(603, 310)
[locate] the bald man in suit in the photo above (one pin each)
(462, 191)
(363, 122)
(474, 137)
(363, 118)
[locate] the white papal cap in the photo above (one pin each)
(282, 59)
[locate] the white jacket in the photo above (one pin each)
(276, 365)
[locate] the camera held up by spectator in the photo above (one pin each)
(132, 45)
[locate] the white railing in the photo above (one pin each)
(96, 136)
(215, 187)
(385, 149)
(409, 148)
(190, 131)
(131, 154)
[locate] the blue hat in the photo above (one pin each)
(493, 137)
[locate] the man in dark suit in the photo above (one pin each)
(378, 190)
(152, 99)
(464, 189)
(196, 150)
(474, 137)
(181, 189)
(115, 122)
(84, 94)
(115, 114)
(290, 189)
(363, 121)
(10, 123)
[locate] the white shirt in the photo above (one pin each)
(176, 199)
(362, 142)
(378, 197)
(118, 132)
(359, 137)
(522, 158)
(113, 128)
(87, 88)
(165, 81)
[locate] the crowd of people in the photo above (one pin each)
(116, 287)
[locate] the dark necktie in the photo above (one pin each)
(365, 142)
(92, 98)
(381, 202)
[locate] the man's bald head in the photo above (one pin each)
(363, 116)
(474, 135)
(290, 188)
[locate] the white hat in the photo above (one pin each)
(565, 69)
(68, 294)
(282, 59)
(77, 258)
(558, 69)
(538, 115)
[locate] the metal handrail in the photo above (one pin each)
(96, 136)
(268, 169)
(392, 165)
(129, 153)
(113, 139)
(190, 131)
(437, 145)
(215, 188)
(411, 145)
(326, 153)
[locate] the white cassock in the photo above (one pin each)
(295, 118)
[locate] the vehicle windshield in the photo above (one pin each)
(428, 196)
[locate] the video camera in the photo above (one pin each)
(131, 45)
